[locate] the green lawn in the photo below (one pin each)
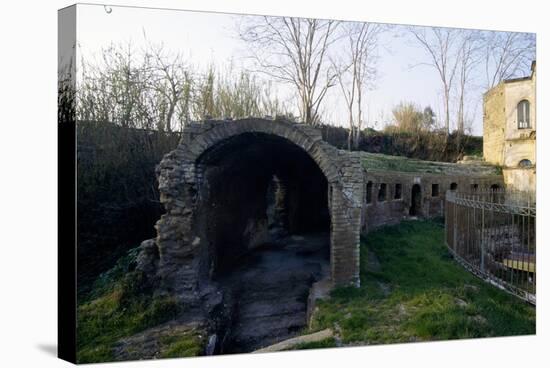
(416, 292)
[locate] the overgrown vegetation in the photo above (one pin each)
(120, 305)
(420, 144)
(416, 292)
(118, 200)
(181, 345)
(152, 88)
(408, 117)
(375, 161)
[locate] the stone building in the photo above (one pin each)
(398, 188)
(509, 130)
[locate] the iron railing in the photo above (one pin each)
(492, 233)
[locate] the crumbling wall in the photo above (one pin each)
(180, 258)
(392, 210)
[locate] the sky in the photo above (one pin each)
(210, 38)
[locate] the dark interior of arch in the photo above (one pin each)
(255, 189)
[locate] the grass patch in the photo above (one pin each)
(376, 161)
(120, 305)
(187, 344)
(418, 294)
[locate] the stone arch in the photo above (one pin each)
(180, 260)
(301, 135)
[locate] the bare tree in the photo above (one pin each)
(294, 51)
(154, 89)
(469, 57)
(113, 89)
(170, 78)
(507, 55)
(348, 88)
(439, 44)
(358, 71)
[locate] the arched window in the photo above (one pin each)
(435, 190)
(525, 163)
(369, 192)
(496, 193)
(382, 192)
(397, 194)
(523, 115)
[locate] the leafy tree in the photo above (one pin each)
(428, 118)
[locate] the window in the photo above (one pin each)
(474, 187)
(369, 192)
(454, 186)
(382, 193)
(523, 115)
(496, 194)
(397, 194)
(416, 200)
(435, 190)
(525, 163)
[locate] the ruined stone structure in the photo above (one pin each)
(214, 187)
(398, 187)
(228, 182)
(262, 215)
(509, 130)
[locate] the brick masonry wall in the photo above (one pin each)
(178, 257)
(392, 210)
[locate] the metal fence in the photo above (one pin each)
(492, 233)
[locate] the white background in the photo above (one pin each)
(28, 183)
